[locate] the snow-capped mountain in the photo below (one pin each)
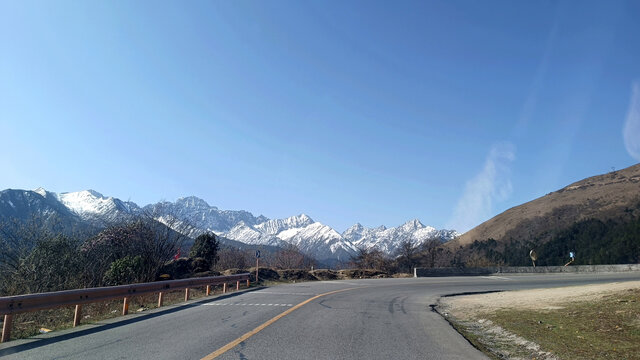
(250, 235)
(277, 225)
(28, 205)
(192, 216)
(197, 213)
(93, 206)
(320, 240)
(388, 240)
(313, 238)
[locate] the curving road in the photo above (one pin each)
(354, 319)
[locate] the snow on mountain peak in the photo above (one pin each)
(276, 226)
(92, 204)
(194, 202)
(412, 225)
(85, 202)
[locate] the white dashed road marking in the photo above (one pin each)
(496, 277)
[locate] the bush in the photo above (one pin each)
(206, 247)
(199, 265)
(125, 271)
(53, 264)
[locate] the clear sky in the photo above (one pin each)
(349, 111)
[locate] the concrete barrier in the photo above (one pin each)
(426, 272)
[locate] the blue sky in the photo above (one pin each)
(349, 111)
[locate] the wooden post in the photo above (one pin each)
(125, 306)
(247, 282)
(6, 328)
(160, 299)
(224, 288)
(186, 294)
(238, 285)
(208, 290)
(77, 315)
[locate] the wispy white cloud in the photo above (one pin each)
(631, 130)
(492, 184)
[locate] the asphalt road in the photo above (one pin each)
(353, 319)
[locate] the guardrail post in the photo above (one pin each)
(125, 306)
(208, 290)
(247, 282)
(6, 328)
(160, 299)
(186, 294)
(77, 315)
(238, 285)
(224, 288)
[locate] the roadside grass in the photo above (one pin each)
(608, 328)
(29, 324)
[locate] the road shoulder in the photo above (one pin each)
(534, 323)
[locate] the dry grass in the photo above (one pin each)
(29, 324)
(602, 197)
(608, 328)
(604, 325)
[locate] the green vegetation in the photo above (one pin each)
(594, 242)
(205, 247)
(604, 329)
(126, 270)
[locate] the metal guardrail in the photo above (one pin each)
(10, 305)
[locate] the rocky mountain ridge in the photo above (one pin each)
(193, 216)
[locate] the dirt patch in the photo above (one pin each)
(537, 299)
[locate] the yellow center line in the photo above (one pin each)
(244, 337)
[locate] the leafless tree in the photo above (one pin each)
(290, 257)
(233, 258)
(372, 258)
(406, 256)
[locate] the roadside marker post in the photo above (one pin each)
(76, 315)
(257, 262)
(533, 256)
(572, 255)
(125, 306)
(6, 328)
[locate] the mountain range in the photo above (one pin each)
(193, 216)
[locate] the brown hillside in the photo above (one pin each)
(601, 197)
